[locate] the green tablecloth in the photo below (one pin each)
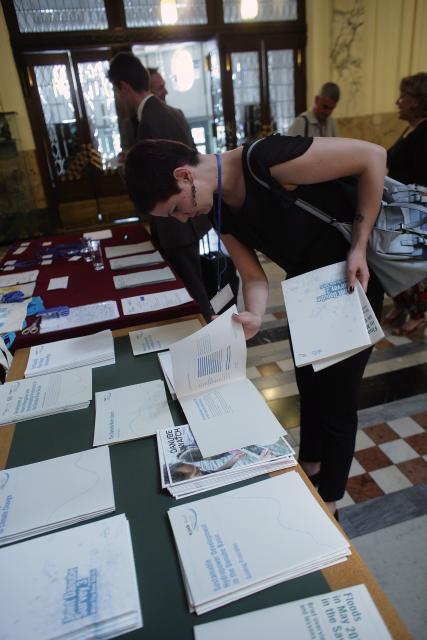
(138, 495)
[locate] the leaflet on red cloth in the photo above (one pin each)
(223, 408)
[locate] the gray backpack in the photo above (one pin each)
(397, 249)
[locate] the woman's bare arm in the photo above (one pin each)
(254, 284)
(331, 158)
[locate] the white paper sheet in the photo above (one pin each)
(155, 301)
(12, 316)
(58, 283)
(140, 260)
(128, 249)
(82, 316)
(127, 413)
(55, 492)
(223, 297)
(19, 278)
(103, 234)
(151, 276)
(324, 319)
(223, 408)
(159, 338)
(350, 612)
(78, 583)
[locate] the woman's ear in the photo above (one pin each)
(183, 174)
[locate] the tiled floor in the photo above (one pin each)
(386, 492)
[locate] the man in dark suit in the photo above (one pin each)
(149, 117)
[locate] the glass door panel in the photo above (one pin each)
(101, 111)
(246, 94)
(281, 88)
(59, 115)
(214, 70)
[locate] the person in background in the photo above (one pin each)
(318, 120)
(407, 162)
(157, 84)
(151, 118)
(172, 180)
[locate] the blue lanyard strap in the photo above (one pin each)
(218, 218)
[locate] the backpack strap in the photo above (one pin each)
(284, 196)
(305, 125)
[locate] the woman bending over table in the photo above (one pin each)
(343, 177)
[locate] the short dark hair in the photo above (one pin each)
(149, 171)
(330, 90)
(416, 86)
(125, 67)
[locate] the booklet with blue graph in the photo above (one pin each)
(223, 408)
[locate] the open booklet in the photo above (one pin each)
(223, 408)
(347, 613)
(328, 324)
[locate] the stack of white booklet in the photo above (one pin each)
(247, 539)
(119, 250)
(223, 408)
(95, 350)
(131, 412)
(159, 338)
(347, 613)
(45, 395)
(140, 260)
(185, 472)
(76, 584)
(55, 493)
(82, 316)
(327, 323)
(153, 276)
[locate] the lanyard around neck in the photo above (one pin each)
(217, 211)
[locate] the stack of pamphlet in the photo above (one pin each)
(240, 542)
(127, 413)
(55, 493)
(184, 472)
(153, 276)
(140, 260)
(95, 350)
(224, 409)
(119, 250)
(347, 613)
(75, 584)
(326, 322)
(161, 337)
(45, 395)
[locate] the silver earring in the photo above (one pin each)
(193, 195)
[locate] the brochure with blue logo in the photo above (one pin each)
(78, 583)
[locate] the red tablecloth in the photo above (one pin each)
(85, 285)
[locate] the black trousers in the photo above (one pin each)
(328, 412)
(186, 262)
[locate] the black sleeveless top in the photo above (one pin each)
(292, 238)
